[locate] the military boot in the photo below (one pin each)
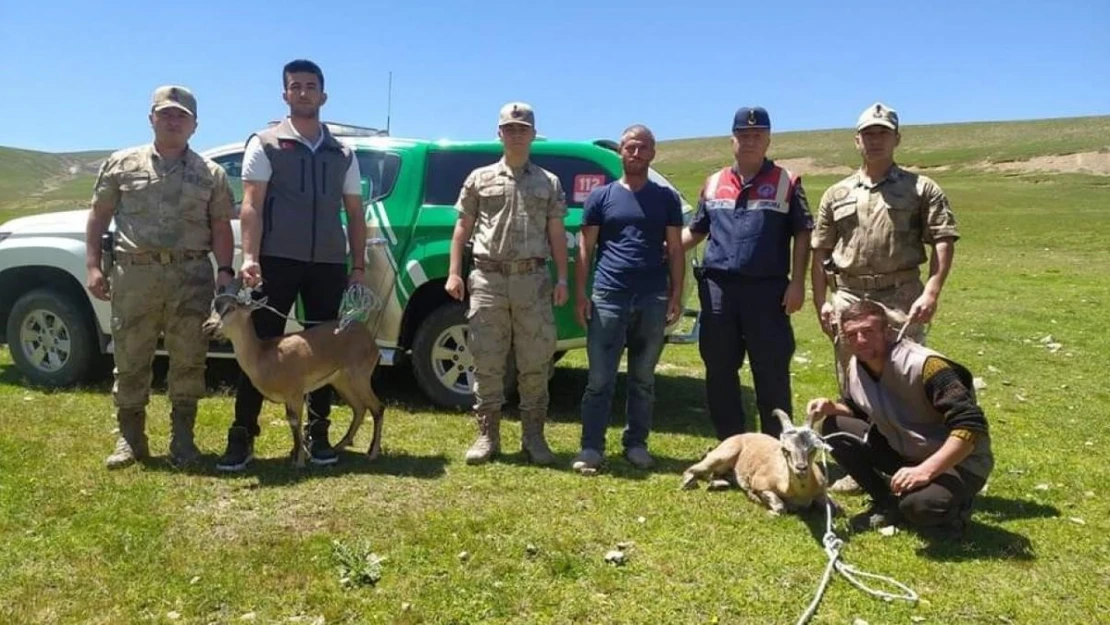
(532, 440)
(132, 443)
(183, 450)
(488, 443)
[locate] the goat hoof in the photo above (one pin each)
(719, 485)
(688, 483)
(372, 454)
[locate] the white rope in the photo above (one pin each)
(832, 545)
(358, 302)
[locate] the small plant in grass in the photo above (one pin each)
(358, 565)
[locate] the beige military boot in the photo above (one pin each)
(532, 440)
(488, 444)
(183, 449)
(132, 443)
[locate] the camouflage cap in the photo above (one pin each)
(168, 96)
(517, 113)
(878, 114)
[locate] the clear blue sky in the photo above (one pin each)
(78, 75)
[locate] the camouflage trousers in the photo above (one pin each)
(897, 301)
(511, 312)
(149, 300)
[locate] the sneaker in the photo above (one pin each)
(846, 485)
(240, 450)
(320, 451)
(589, 461)
(875, 516)
(639, 457)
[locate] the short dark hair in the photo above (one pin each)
(637, 129)
(301, 65)
(861, 310)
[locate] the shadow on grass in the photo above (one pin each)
(680, 405)
(980, 542)
(614, 465)
(279, 470)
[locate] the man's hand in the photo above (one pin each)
(674, 309)
(923, 308)
(356, 276)
(251, 272)
(794, 297)
(909, 479)
(821, 407)
(825, 316)
(97, 283)
(559, 294)
(455, 287)
(583, 308)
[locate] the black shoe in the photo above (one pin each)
(320, 451)
(878, 514)
(240, 450)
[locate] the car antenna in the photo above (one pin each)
(389, 104)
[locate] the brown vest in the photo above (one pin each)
(896, 403)
(304, 198)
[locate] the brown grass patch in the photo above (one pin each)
(1097, 163)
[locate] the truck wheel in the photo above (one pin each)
(441, 359)
(50, 339)
(442, 362)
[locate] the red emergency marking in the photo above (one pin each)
(584, 183)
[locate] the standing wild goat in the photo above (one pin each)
(286, 368)
(779, 473)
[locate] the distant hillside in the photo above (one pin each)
(1080, 145)
(37, 181)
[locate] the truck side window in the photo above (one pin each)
(379, 173)
(577, 175)
(233, 166)
(448, 170)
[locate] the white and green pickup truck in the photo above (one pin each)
(59, 335)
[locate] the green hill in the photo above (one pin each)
(970, 148)
(39, 181)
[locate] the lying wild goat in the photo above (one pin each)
(286, 368)
(780, 473)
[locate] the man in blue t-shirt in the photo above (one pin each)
(636, 293)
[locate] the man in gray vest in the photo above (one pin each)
(917, 440)
(296, 179)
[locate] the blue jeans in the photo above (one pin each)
(620, 320)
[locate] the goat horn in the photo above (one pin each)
(787, 424)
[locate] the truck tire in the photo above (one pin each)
(442, 362)
(51, 339)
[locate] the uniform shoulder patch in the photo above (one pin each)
(933, 366)
(839, 193)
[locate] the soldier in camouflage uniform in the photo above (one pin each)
(872, 228)
(515, 210)
(172, 208)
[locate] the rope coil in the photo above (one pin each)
(833, 544)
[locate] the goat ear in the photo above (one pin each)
(784, 418)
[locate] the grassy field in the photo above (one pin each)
(512, 543)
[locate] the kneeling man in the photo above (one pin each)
(917, 441)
